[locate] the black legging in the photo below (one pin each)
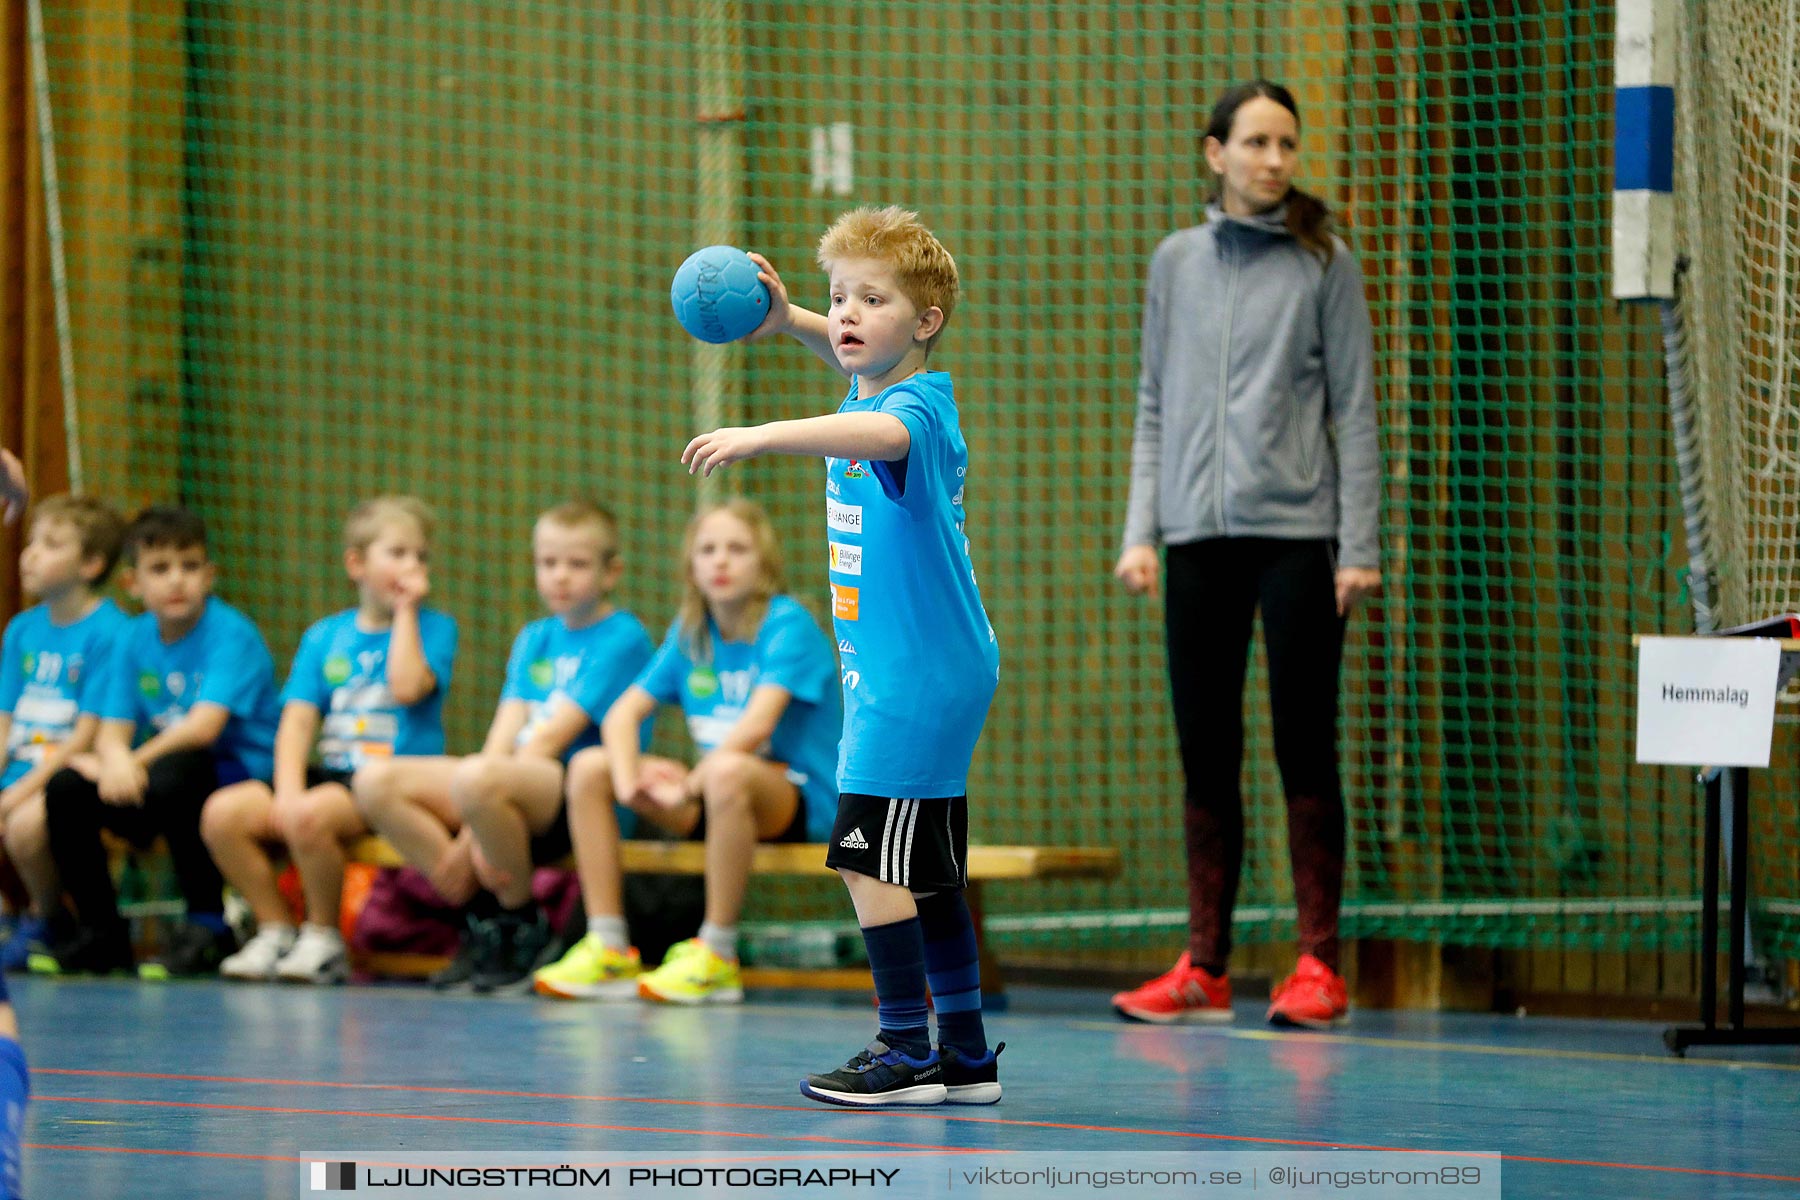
(1214, 589)
(178, 787)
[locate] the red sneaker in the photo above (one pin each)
(1313, 996)
(1184, 994)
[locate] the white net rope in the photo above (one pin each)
(1738, 195)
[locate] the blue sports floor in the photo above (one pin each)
(211, 1090)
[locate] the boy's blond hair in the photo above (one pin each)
(771, 576)
(97, 524)
(366, 520)
(582, 513)
(895, 237)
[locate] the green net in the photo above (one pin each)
(320, 250)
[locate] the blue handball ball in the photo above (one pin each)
(717, 296)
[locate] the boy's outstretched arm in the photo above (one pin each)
(869, 436)
(808, 328)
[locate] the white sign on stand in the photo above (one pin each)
(1707, 701)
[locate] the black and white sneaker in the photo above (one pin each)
(880, 1076)
(518, 948)
(480, 945)
(971, 1080)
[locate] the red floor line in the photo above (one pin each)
(176, 1153)
(933, 1113)
(420, 1088)
(336, 1112)
(916, 1113)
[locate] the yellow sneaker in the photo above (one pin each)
(692, 974)
(589, 971)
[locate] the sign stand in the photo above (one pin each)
(1733, 1032)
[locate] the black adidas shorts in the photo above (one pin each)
(918, 844)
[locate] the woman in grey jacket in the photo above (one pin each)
(1256, 464)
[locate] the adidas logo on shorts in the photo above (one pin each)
(854, 840)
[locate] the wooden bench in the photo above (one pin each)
(986, 863)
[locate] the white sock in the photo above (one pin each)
(611, 932)
(720, 939)
(323, 931)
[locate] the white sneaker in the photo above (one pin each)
(260, 954)
(318, 956)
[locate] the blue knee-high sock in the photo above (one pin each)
(897, 960)
(953, 967)
(15, 1089)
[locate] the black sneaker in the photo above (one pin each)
(474, 951)
(86, 950)
(877, 1076)
(521, 947)
(971, 1080)
(193, 950)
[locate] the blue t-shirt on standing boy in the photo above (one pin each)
(590, 667)
(920, 663)
(341, 670)
(223, 660)
(790, 652)
(47, 675)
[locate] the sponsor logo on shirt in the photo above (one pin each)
(845, 518)
(149, 684)
(854, 470)
(337, 670)
(734, 686)
(542, 673)
(702, 683)
(844, 646)
(49, 667)
(851, 680)
(845, 602)
(709, 729)
(846, 559)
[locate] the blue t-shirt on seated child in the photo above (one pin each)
(790, 652)
(341, 670)
(222, 660)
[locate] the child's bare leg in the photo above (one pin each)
(318, 823)
(878, 903)
(748, 800)
(594, 828)
(238, 825)
(407, 801)
(503, 801)
(28, 846)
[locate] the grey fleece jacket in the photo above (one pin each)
(1256, 401)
